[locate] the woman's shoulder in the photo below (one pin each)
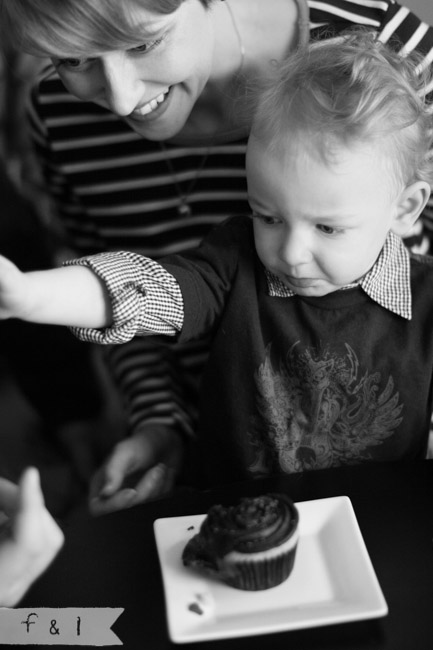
(369, 12)
(394, 21)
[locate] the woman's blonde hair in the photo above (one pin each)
(74, 28)
(353, 89)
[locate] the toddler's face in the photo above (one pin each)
(318, 226)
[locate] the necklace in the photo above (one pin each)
(238, 36)
(183, 208)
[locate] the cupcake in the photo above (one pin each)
(250, 546)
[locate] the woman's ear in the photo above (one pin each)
(409, 206)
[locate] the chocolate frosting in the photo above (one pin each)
(255, 524)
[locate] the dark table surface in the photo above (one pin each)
(112, 561)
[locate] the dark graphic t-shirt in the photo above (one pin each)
(296, 383)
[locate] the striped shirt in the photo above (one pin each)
(113, 190)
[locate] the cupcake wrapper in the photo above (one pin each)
(263, 574)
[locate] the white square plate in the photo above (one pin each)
(333, 580)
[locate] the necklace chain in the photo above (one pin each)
(238, 35)
(183, 208)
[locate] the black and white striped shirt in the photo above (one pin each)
(114, 190)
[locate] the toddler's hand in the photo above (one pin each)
(139, 468)
(31, 541)
(13, 289)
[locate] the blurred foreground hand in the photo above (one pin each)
(29, 537)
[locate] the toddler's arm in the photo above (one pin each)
(72, 295)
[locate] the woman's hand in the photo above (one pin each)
(30, 539)
(139, 468)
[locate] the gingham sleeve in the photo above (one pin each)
(145, 298)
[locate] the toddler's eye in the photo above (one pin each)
(269, 221)
(266, 219)
(328, 230)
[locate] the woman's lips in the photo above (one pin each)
(151, 109)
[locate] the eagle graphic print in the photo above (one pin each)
(317, 408)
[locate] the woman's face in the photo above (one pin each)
(155, 84)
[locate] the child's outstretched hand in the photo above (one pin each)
(29, 541)
(13, 290)
(71, 296)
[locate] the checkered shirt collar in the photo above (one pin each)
(387, 282)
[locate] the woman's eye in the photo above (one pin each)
(145, 47)
(73, 64)
(78, 65)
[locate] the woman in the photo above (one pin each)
(152, 156)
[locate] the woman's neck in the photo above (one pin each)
(249, 38)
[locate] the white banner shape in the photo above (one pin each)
(59, 626)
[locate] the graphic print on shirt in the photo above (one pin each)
(317, 409)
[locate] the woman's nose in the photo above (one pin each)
(122, 87)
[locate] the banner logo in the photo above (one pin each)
(59, 626)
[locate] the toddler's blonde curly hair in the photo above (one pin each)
(353, 89)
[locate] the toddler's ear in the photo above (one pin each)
(410, 205)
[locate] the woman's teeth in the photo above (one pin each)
(150, 106)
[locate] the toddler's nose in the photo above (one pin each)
(295, 249)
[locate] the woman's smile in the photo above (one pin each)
(154, 106)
